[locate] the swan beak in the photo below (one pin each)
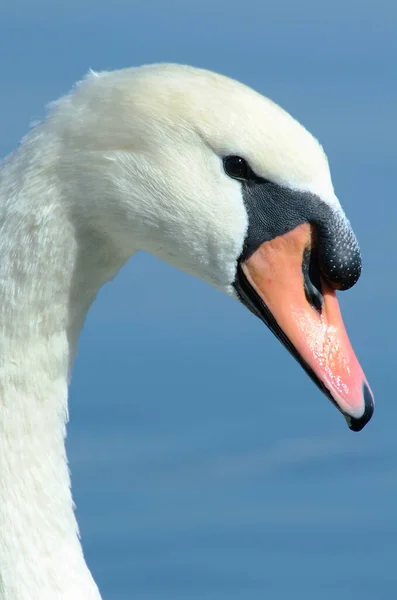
(276, 283)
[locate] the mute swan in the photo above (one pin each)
(200, 171)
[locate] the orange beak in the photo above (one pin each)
(275, 284)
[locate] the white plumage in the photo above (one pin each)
(128, 160)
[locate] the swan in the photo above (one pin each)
(206, 174)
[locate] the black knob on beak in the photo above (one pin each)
(339, 254)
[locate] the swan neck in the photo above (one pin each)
(46, 288)
(40, 552)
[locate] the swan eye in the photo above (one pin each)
(238, 168)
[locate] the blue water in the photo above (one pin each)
(204, 462)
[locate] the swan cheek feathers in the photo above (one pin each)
(187, 213)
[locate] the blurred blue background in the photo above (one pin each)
(205, 463)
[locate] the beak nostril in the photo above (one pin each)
(312, 279)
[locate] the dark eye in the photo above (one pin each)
(237, 167)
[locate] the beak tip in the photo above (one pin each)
(357, 424)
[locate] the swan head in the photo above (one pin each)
(219, 181)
